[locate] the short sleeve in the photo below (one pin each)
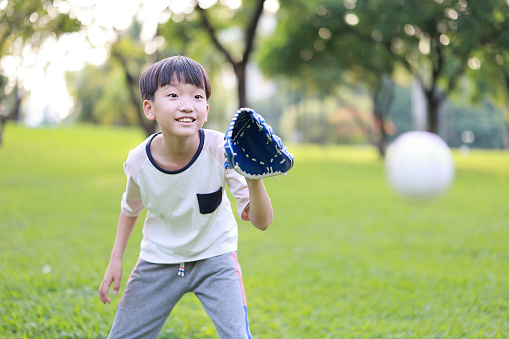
(131, 204)
(214, 144)
(238, 188)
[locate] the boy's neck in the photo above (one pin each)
(172, 153)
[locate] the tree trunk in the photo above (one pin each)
(2, 128)
(240, 71)
(383, 99)
(148, 126)
(433, 104)
(506, 120)
(13, 114)
(505, 144)
(239, 67)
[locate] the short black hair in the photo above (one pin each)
(173, 69)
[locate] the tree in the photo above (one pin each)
(432, 40)
(187, 29)
(9, 105)
(27, 22)
(239, 63)
(489, 68)
(316, 42)
(439, 40)
(131, 59)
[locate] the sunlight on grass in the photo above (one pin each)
(353, 154)
(480, 161)
(484, 161)
(344, 258)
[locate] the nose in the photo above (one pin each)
(186, 104)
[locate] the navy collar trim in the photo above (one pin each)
(196, 155)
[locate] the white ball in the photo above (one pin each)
(419, 165)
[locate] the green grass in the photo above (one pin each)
(345, 257)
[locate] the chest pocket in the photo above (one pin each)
(209, 202)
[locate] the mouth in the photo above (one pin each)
(186, 120)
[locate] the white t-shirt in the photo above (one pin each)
(189, 216)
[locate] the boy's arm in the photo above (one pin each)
(114, 271)
(259, 210)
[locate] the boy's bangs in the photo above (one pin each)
(170, 70)
(180, 71)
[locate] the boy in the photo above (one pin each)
(190, 234)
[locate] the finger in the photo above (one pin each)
(103, 292)
(116, 286)
(245, 214)
(105, 298)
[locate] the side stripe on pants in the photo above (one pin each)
(243, 293)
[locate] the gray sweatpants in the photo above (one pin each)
(153, 290)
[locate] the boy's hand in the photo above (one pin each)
(113, 275)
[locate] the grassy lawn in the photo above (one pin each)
(345, 257)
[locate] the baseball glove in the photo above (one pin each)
(252, 149)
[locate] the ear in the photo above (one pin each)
(207, 115)
(148, 109)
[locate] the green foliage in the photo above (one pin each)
(22, 23)
(32, 21)
(103, 97)
(487, 124)
(345, 257)
(358, 42)
(5, 99)
(109, 94)
(492, 77)
(317, 39)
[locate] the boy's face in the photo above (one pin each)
(179, 108)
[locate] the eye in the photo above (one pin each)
(172, 95)
(198, 96)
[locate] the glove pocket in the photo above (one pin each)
(209, 202)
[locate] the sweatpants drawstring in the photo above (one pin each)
(182, 269)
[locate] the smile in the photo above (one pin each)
(185, 120)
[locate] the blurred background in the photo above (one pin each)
(338, 81)
(323, 72)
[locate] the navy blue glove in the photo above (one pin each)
(252, 149)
